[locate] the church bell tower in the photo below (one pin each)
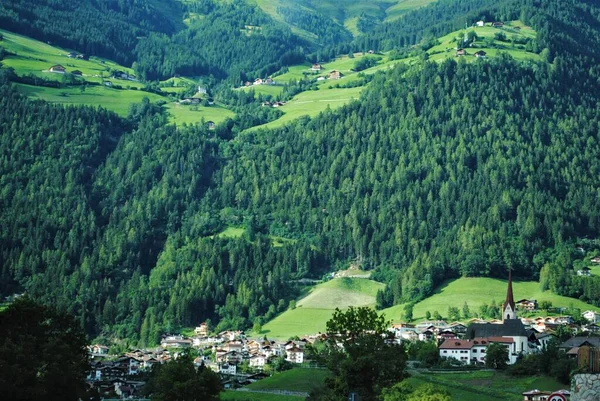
(509, 311)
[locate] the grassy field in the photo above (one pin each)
(447, 44)
(31, 56)
(297, 379)
(311, 103)
(486, 385)
(119, 101)
(477, 291)
(231, 395)
(181, 114)
(315, 309)
(34, 57)
(109, 98)
(404, 6)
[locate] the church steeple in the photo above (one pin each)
(509, 310)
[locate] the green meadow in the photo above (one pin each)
(311, 103)
(31, 56)
(478, 290)
(485, 385)
(231, 395)
(296, 380)
(316, 307)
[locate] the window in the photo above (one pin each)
(475, 350)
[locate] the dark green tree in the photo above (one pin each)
(43, 354)
(367, 360)
(180, 380)
(496, 356)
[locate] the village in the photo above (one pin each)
(240, 360)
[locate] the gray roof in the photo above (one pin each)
(577, 341)
(510, 327)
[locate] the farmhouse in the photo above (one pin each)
(258, 81)
(527, 304)
(202, 330)
(460, 52)
(591, 316)
(294, 355)
(480, 54)
(58, 69)
(316, 67)
(335, 74)
(585, 272)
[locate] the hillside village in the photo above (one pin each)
(240, 360)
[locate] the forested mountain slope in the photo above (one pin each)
(440, 170)
(108, 28)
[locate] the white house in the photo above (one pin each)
(294, 355)
(474, 351)
(591, 316)
(480, 23)
(258, 361)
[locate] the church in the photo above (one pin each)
(511, 333)
(511, 328)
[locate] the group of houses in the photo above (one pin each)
(478, 54)
(521, 336)
(59, 69)
(333, 75)
(122, 374)
(260, 81)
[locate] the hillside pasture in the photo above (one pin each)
(477, 291)
(295, 380)
(317, 306)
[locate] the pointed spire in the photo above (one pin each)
(510, 300)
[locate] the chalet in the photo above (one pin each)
(227, 369)
(536, 395)
(77, 72)
(98, 349)
(294, 355)
(591, 328)
(202, 330)
(480, 23)
(591, 316)
(268, 81)
(59, 69)
(446, 335)
(335, 74)
(596, 260)
(460, 52)
(498, 24)
(426, 335)
(258, 81)
(191, 100)
(258, 361)
(578, 342)
(211, 125)
(175, 342)
(480, 54)
(278, 104)
(527, 304)
(266, 104)
(431, 324)
(316, 67)
(458, 328)
(585, 272)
